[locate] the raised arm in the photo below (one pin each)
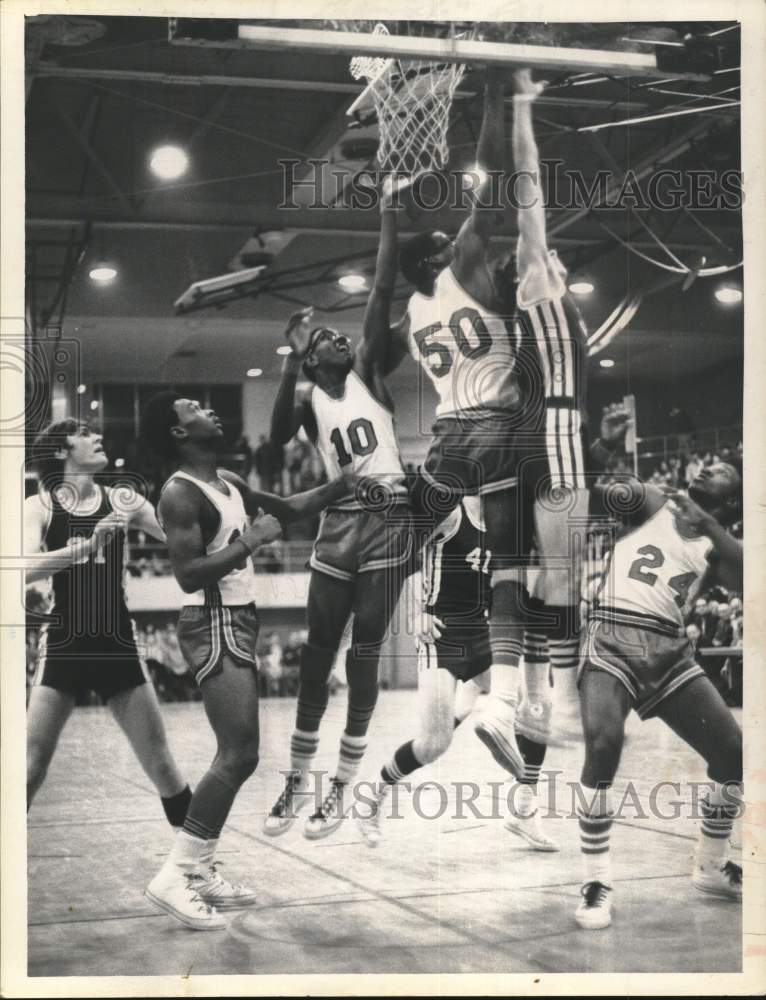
(296, 507)
(533, 243)
(193, 568)
(380, 350)
(473, 237)
(289, 412)
(727, 556)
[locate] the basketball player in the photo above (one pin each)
(76, 529)
(636, 655)
(360, 555)
(506, 406)
(205, 512)
(453, 645)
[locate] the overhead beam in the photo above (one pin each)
(556, 58)
(93, 157)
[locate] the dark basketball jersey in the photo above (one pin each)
(89, 597)
(456, 581)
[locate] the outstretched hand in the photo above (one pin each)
(689, 517)
(525, 86)
(298, 330)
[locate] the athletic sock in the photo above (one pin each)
(187, 852)
(303, 748)
(176, 806)
(718, 814)
(352, 750)
(536, 667)
(403, 762)
(506, 633)
(595, 819)
(525, 797)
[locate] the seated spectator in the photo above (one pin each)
(724, 632)
(272, 666)
(692, 634)
(694, 466)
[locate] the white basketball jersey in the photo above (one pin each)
(357, 433)
(654, 571)
(238, 586)
(468, 352)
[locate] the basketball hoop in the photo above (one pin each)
(412, 100)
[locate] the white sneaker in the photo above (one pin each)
(214, 890)
(329, 816)
(529, 829)
(533, 720)
(370, 825)
(175, 891)
(495, 730)
(295, 796)
(595, 911)
(725, 882)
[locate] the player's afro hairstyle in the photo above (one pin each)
(414, 255)
(158, 417)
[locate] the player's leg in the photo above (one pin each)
(188, 886)
(467, 694)
(532, 734)
(330, 602)
(137, 711)
(495, 726)
(700, 716)
(376, 596)
(436, 700)
(47, 714)
(605, 703)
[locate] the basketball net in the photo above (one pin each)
(412, 100)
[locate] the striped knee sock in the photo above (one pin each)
(718, 815)
(595, 819)
(303, 748)
(534, 755)
(352, 750)
(403, 762)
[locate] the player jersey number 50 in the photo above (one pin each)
(469, 331)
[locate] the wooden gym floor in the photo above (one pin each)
(441, 895)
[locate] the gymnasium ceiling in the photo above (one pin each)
(96, 109)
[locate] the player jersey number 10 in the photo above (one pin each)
(361, 440)
(439, 355)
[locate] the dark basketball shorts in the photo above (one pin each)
(649, 665)
(543, 469)
(360, 541)
(463, 650)
(75, 665)
(208, 633)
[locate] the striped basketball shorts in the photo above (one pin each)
(208, 633)
(649, 664)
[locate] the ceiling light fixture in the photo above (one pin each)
(254, 372)
(352, 282)
(81, 388)
(102, 273)
(728, 295)
(169, 162)
(284, 349)
(581, 287)
(606, 363)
